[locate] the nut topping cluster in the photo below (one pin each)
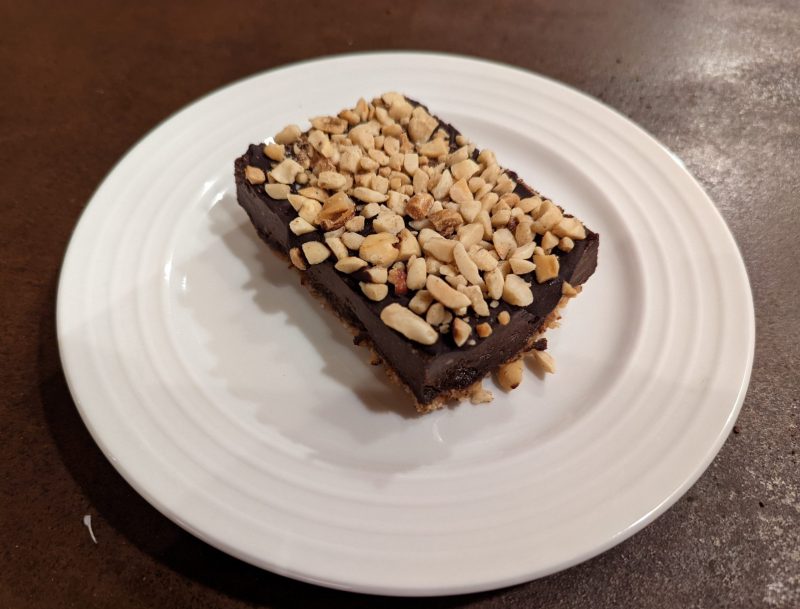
(393, 202)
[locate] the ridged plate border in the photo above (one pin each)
(512, 496)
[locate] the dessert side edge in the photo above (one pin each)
(421, 241)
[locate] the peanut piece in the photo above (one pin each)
(460, 192)
(409, 324)
(288, 135)
(568, 290)
(487, 157)
(488, 202)
(523, 234)
(494, 283)
(524, 252)
(549, 241)
(491, 174)
(352, 241)
(509, 375)
(446, 221)
(438, 315)
(312, 192)
(275, 152)
(362, 108)
(426, 234)
(375, 274)
(530, 205)
(434, 149)
(364, 135)
(420, 181)
(315, 252)
(501, 218)
(417, 274)
(456, 281)
(419, 205)
(286, 171)
(504, 242)
(379, 156)
(309, 210)
(447, 270)
(441, 249)
(355, 224)
(521, 267)
(397, 277)
(331, 180)
(388, 222)
(350, 116)
(421, 301)
(349, 159)
(329, 124)
(475, 295)
(321, 143)
(374, 291)
(337, 247)
(545, 361)
(277, 191)
(517, 291)
(371, 210)
(334, 233)
(464, 170)
(465, 265)
(336, 211)
(483, 330)
(380, 183)
(300, 227)
(397, 202)
(505, 268)
(378, 249)
(443, 186)
(409, 246)
(442, 292)
(470, 234)
(350, 264)
(392, 147)
(483, 259)
(476, 184)
(570, 227)
(421, 126)
(461, 331)
(469, 210)
(549, 216)
(368, 164)
(480, 395)
(504, 185)
(411, 163)
(382, 116)
(546, 267)
(254, 175)
(369, 196)
(297, 258)
(297, 201)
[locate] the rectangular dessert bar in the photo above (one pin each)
(445, 264)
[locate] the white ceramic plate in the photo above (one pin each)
(235, 405)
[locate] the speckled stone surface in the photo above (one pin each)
(717, 81)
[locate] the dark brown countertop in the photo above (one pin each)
(718, 82)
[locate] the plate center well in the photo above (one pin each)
(271, 358)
